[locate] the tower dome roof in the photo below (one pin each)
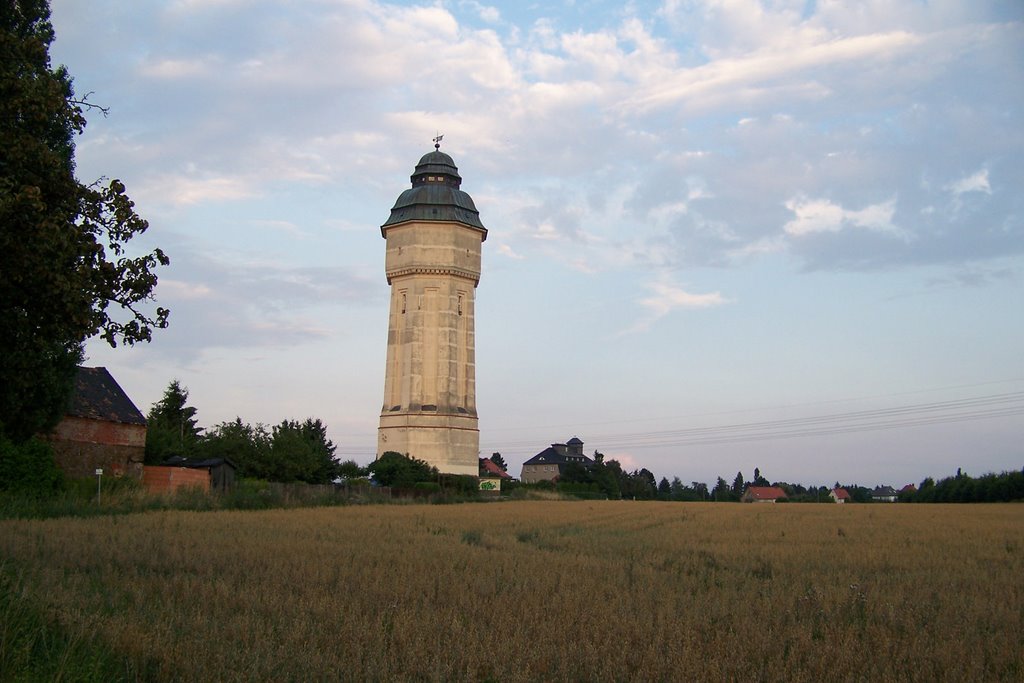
(436, 162)
(435, 195)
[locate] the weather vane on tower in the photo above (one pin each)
(437, 142)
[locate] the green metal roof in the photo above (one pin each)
(435, 195)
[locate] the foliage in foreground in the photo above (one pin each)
(29, 468)
(65, 275)
(34, 647)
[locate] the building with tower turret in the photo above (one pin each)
(434, 237)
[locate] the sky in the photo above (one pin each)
(723, 234)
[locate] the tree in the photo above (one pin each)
(499, 461)
(737, 486)
(65, 274)
(759, 479)
(246, 446)
(302, 452)
(171, 426)
(640, 484)
(29, 468)
(350, 469)
(664, 489)
(606, 476)
(721, 491)
(575, 473)
(395, 469)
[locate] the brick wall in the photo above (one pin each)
(169, 479)
(81, 445)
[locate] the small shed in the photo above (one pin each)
(220, 470)
(102, 429)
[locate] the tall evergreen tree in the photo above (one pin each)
(64, 276)
(171, 426)
(738, 486)
(498, 460)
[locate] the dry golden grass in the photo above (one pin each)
(544, 591)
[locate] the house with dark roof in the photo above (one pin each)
(550, 463)
(102, 429)
(762, 494)
(839, 495)
(884, 494)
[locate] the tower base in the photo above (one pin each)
(451, 443)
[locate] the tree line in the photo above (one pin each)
(607, 479)
(291, 451)
(962, 488)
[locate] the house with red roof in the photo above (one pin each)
(489, 468)
(763, 494)
(839, 495)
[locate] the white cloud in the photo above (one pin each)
(177, 69)
(176, 289)
(582, 265)
(668, 297)
(752, 77)
(822, 215)
(487, 13)
(506, 250)
(183, 190)
(976, 182)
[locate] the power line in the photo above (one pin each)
(869, 397)
(958, 410)
(965, 409)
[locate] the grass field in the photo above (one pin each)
(580, 591)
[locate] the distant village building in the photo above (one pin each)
(550, 464)
(839, 495)
(763, 494)
(434, 238)
(884, 494)
(102, 429)
(489, 468)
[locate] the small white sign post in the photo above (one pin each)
(99, 478)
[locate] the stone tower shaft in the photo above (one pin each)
(432, 263)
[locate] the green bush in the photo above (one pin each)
(461, 484)
(28, 468)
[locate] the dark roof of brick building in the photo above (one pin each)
(555, 456)
(98, 396)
